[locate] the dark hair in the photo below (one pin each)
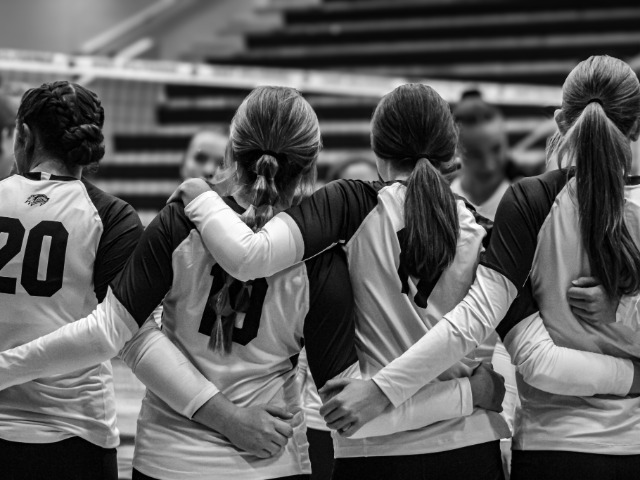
(274, 141)
(413, 127)
(600, 107)
(473, 110)
(67, 119)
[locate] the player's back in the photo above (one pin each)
(270, 318)
(602, 424)
(51, 232)
(394, 310)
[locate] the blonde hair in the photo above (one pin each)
(274, 142)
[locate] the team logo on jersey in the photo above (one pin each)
(37, 200)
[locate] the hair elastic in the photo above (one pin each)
(597, 100)
(281, 157)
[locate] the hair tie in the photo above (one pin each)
(597, 100)
(434, 163)
(280, 157)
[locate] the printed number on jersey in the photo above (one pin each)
(14, 233)
(239, 297)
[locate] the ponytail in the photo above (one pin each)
(264, 193)
(274, 143)
(431, 222)
(602, 157)
(412, 128)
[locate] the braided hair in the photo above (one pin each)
(274, 142)
(67, 119)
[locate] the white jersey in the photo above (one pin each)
(541, 214)
(62, 241)
(272, 318)
(393, 310)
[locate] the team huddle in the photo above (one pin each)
(387, 288)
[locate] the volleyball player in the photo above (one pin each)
(368, 220)
(392, 308)
(244, 336)
(63, 241)
(580, 220)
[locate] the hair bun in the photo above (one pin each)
(83, 143)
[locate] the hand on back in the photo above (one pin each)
(350, 403)
(189, 190)
(590, 302)
(487, 388)
(262, 430)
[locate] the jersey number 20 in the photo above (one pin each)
(55, 267)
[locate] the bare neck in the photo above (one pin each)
(56, 167)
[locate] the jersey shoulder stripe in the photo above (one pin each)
(334, 213)
(148, 275)
(122, 230)
(329, 327)
(520, 216)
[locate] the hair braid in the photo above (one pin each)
(68, 119)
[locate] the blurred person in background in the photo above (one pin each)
(485, 175)
(486, 171)
(204, 156)
(7, 124)
(357, 168)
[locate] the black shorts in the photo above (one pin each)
(320, 453)
(476, 462)
(70, 459)
(561, 465)
(141, 476)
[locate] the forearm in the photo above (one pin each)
(564, 371)
(81, 344)
(461, 331)
(242, 253)
(165, 370)
(216, 413)
(433, 403)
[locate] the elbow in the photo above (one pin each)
(539, 380)
(242, 271)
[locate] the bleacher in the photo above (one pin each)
(532, 42)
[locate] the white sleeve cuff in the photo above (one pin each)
(466, 396)
(165, 370)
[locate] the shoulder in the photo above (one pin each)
(172, 223)
(530, 200)
(540, 189)
(354, 188)
(111, 209)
